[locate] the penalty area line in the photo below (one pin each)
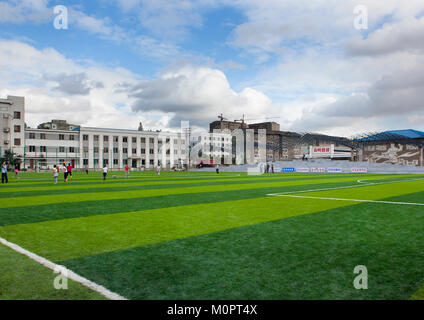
(355, 200)
(338, 188)
(64, 271)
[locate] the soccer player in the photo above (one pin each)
(65, 174)
(104, 172)
(69, 169)
(4, 173)
(158, 170)
(217, 168)
(55, 173)
(127, 169)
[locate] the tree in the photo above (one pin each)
(11, 157)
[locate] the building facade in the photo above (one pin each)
(12, 125)
(56, 142)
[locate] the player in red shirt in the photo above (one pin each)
(69, 169)
(127, 171)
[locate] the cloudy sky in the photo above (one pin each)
(300, 63)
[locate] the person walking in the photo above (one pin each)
(55, 173)
(217, 169)
(127, 171)
(105, 172)
(4, 178)
(272, 167)
(69, 169)
(65, 174)
(17, 171)
(158, 170)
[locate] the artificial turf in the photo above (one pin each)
(208, 236)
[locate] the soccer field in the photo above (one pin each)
(199, 235)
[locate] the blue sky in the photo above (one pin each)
(160, 62)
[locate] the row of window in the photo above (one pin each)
(44, 149)
(116, 162)
(125, 139)
(95, 150)
(42, 136)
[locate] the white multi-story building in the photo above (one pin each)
(12, 124)
(88, 148)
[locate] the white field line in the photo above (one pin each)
(356, 200)
(338, 188)
(64, 271)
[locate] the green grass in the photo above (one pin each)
(24, 279)
(206, 236)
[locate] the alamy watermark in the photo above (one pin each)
(60, 282)
(361, 280)
(360, 22)
(60, 21)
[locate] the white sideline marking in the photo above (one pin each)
(337, 188)
(356, 200)
(69, 273)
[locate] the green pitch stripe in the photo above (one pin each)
(70, 238)
(158, 184)
(29, 214)
(306, 257)
(69, 198)
(11, 191)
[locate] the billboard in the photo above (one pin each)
(303, 170)
(288, 170)
(318, 170)
(359, 170)
(335, 170)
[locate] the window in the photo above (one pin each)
(134, 151)
(105, 150)
(85, 149)
(105, 138)
(61, 137)
(143, 140)
(143, 151)
(167, 140)
(152, 140)
(17, 142)
(115, 161)
(134, 140)
(71, 149)
(17, 128)
(42, 136)
(175, 141)
(124, 139)
(115, 150)
(31, 148)
(175, 151)
(96, 161)
(16, 115)
(85, 137)
(72, 137)
(43, 149)
(115, 139)
(96, 149)
(152, 151)
(124, 150)
(31, 135)
(168, 151)
(152, 162)
(125, 161)
(61, 149)
(85, 162)
(96, 138)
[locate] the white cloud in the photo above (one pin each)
(198, 94)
